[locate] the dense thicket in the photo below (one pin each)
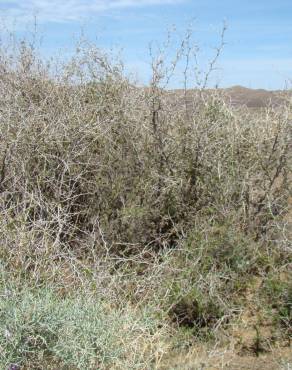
(180, 198)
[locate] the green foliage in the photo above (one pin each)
(39, 330)
(220, 246)
(279, 295)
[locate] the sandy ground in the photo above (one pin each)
(201, 359)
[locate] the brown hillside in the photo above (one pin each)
(252, 98)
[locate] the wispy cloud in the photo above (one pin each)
(69, 10)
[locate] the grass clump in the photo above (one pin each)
(41, 330)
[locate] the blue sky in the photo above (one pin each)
(258, 51)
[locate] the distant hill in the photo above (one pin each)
(252, 98)
(239, 96)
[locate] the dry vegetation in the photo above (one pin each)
(138, 224)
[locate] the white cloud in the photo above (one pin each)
(68, 10)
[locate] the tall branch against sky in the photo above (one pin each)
(258, 50)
